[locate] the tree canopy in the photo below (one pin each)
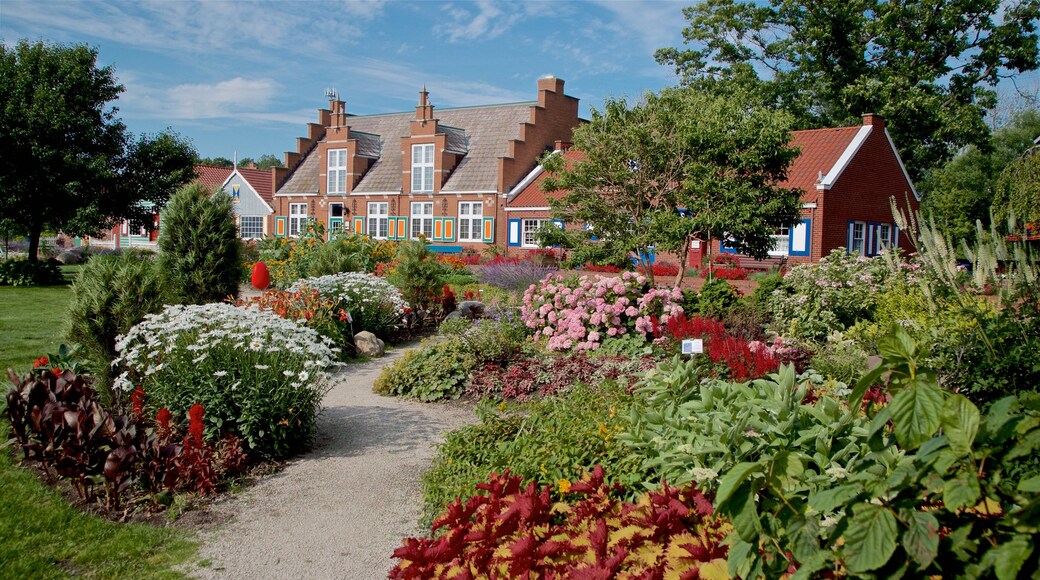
(1018, 193)
(963, 190)
(716, 158)
(929, 67)
(68, 163)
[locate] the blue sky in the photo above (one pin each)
(247, 75)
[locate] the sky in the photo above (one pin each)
(246, 76)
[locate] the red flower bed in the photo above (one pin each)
(662, 269)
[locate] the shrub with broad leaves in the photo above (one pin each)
(578, 313)
(260, 377)
(372, 303)
(512, 531)
(432, 372)
(30, 273)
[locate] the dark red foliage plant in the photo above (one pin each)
(137, 401)
(515, 531)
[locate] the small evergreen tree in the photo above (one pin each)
(111, 294)
(199, 247)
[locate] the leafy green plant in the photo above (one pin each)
(111, 294)
(30, 273)
(543, 441)
(432, 372)
(259, 376)
(943, 490)
(199, 247)
(515, 531)
(419, 275)
(371, 303)
(716, 298)
(840, 358)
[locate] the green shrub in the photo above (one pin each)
(492, 341)
(545, 441)
(767, 284)
(432, 372)
(30, 273)
(111, 295)
(716, 298)
(840, 358)
(258, 376)
(455, 327)
(199, 246)
(419, 275)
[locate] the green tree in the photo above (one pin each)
(715, 158)
(1018, 193)
(217, 162)
(267, 161)
(68, 163)
(961, 192)
(199, 247)
(929, 67)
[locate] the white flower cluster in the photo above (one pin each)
(357, 291)
(220, 332)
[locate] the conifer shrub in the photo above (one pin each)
(111, 294)
(199, 246)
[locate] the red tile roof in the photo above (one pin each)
(258, 179)
(820, 150)
(533, 196)
(212, 176)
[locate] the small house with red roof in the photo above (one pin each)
(846, 175)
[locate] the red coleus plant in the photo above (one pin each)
(512, 531)
(137, 401)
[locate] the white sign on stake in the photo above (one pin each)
(692, 346)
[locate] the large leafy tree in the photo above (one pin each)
(1018, 193)
(928, 66)
(68, 163)
(717, 159)
(962, 191)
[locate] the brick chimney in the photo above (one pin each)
(874, 119)
(551, 83)
(339, 113)
(424, 110)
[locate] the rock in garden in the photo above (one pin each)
(368, 345)
(471, 309)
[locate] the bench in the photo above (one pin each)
(770, 263)
(445, 249)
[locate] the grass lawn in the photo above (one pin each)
(43, 537)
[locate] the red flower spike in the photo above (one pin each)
(137, 401)
(195, 426)
(163, 418)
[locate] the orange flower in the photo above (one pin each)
(41, 362)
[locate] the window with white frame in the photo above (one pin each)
(422, 219)
(335, 217)
(297, 217)
(857, 238)
(422, 168)
(884, 237)
(251, 227)
(529, 232)
(471, 221)
(378, 220)
(781, 241)
(337, 171)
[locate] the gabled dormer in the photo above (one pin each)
(344, 155)
(431, 151)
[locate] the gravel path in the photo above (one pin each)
(342, 509)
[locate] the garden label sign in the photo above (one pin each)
(692, 346)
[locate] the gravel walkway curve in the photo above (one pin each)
(342, 509)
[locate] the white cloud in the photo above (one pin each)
(654, 24)
(233, 98)
(492, 19)
(396, 82)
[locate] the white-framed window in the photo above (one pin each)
(335, 217)
(337, 171)
(378, 220)
(529, 232)
(422, 219)
(781, 241)
(857, 238)
(422, 168)
(297, 218)
(471, 221)
(884, 237)
(251, 227)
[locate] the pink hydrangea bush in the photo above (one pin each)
(578, 314)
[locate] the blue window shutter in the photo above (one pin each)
(895, 236)
(514, 232)
(558, 223)
(848, 238)
(799, 241)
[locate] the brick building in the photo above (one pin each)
(846, 175)
(441, 174)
